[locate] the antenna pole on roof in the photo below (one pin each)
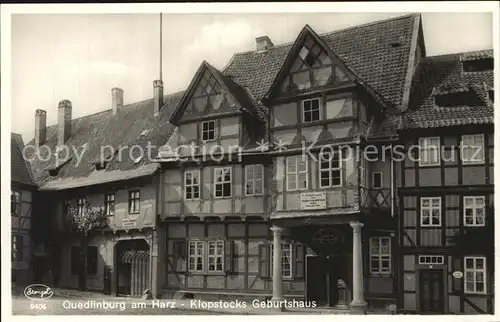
(161, 46)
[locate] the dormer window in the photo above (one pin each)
(457, 99)
(478, 65)
(101, 165)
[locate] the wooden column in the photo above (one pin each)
(358, 304)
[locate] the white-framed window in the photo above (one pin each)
(215, 255)
(430, 211)
(254, 179)
(109, 204)
(330, 169)
(206, 255)
(430, 153)
(195, 255)
(311, 110)
(208, 131)
(15, 203)
(81, 205)
(192, 184)
(286, 259)
(17, 247)
(134, 202)
(431, 259)
(474, 211)
(473, 149)
(380, 255)
(222, 182)
(296, 173)
(377, 180)
(475, 275)
(362, 172)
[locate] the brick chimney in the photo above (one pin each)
(64, 122)
(263, 43)
(116, 99)
(158, 96)
(40, 127)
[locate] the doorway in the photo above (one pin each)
(431, 291)
(322, 280)
(132, 267)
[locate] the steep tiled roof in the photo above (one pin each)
(377, 52)
(133, 125)
(20, 170)
(440, 75)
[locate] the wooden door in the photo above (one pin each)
(431, 291)
(316, 288)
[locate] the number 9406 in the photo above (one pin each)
(38, 306)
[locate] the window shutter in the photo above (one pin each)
(228, 255)
(299, 260)
(20, 246)
(458, 283)
(180, 252)
(264, 264)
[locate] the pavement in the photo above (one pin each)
(72, 302)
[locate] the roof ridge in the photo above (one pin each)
(124, 106)
(329, 33)
(458, 53)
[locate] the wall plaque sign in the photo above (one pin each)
(458, 274)
(129, 223)
(312, 200)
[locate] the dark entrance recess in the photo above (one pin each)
(326, 270)
(322, 278)
(431, 291)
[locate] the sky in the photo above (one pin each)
(80, 57)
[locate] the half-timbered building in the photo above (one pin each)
(99, 164)
(288, 208)
(21, 196)
(446, 190)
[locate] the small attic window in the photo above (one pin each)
(395, 44)
(54, 170)
(457, 99)
(491, 95)
(101, 165)
(478, 65)
(138, 159)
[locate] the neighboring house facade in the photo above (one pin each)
(109, 175)
(328, 223)
(446, 215)
(22, 189)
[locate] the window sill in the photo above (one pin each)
(476, 293)
(219, 198)
(429, 165)
(206, 273)
(381, 275)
